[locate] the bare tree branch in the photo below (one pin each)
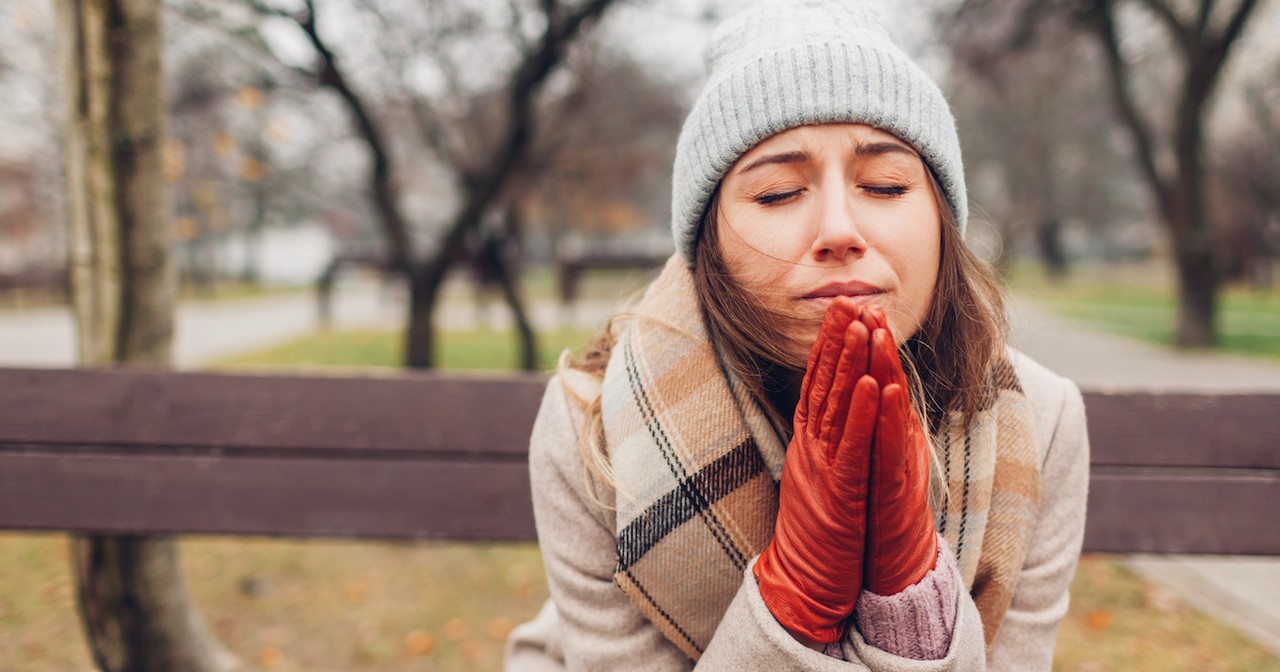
(434, 131)
(203, 14)
(484, 162)
(460, 145)
(429, 119)
(530, 75)
(1235, 26)
(525, 83)
(269, 10)
(331, 76)
(551, 10)
(1182, 34)
(1102, 21)
(1203, 65)
(1203, 16)
(556, 138)
(1016, 26)
(516, 26)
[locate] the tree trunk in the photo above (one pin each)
(524, 329)
(132, 601)
(251, 272)
(1197, 299)
(1182, 197)
(427, 279)
(136, 609)
(420, 335)
(1052, 253)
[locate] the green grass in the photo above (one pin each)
(1122, 302)
(235, 290)
(286, 605)
(594, 285)
(478, 349)
(223, 291)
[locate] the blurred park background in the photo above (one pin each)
(477, 184)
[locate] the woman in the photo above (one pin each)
(808, 446)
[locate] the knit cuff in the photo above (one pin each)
(918, 622)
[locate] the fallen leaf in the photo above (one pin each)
(419, 643)
(270, 657)
(500, 627)
(356, 592)
(1098, 620)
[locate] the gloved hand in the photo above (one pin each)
(810, 575)
(902, 545)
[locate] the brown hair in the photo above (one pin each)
(951, 355)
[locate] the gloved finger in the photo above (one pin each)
(834, 321)
(852, 366)
(858, 338)
(880, 367)
(886, 365)
(888, 464)
(852, 462)
(816, 387)
(873, 317)
(901, 541)
(916, 452)
(841, 312)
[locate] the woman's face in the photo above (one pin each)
(817, 212)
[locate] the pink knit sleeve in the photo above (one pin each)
(918, 622)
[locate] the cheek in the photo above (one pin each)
(764, 235)
(917, 270)
(754, 256)
(766, 276)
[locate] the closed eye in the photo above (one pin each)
(777, 197)
(890, 190)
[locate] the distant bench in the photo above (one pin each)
(443, 456)
(571, 267)
(47, 282)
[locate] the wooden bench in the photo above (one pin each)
(443, 456)
(570, 268)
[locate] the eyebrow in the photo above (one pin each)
(882, 148)
(869, 149)
(796, 156)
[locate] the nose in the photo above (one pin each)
(838, 237)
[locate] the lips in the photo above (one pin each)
(853, 288)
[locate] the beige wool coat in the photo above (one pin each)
(590, 625)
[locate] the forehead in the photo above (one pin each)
(818, 138)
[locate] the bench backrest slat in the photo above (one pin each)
(410, 412)
(245, 495)
(444, 456)
(1221, 431)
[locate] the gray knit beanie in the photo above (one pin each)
(787, 63)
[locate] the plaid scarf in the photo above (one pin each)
(698, 466)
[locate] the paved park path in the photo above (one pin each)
(1241, 590)
(205, 331)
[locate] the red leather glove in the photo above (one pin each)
(902, 545)
(810, 575)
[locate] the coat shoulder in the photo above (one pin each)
(1054, 399)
